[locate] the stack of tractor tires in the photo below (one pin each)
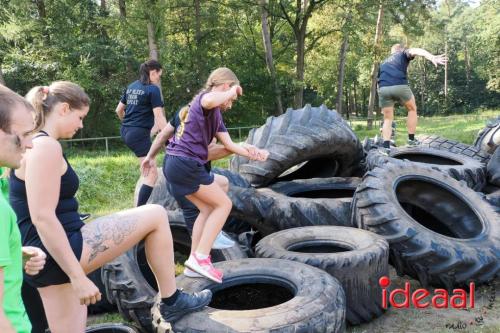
(326, 216)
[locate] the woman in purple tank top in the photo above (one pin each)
(184, 167)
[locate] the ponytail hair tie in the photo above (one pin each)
(45, 91)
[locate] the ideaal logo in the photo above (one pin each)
(440, 299)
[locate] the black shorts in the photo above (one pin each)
(138, 139)
(185, 175)
(52, 274)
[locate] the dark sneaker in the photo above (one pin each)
(185, 303)
(413, 142)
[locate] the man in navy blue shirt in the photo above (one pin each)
(393, 87)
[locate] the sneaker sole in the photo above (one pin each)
(202, 272)
(192, 274)
(159, 324)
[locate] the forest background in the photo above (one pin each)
(285, 53)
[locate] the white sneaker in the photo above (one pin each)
(223, 241)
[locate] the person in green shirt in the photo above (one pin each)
(16, 125)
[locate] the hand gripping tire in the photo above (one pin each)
(440, 231)
(453, 146)
(267, 295)
(459, 167)
(356, 258)
(131, 283)
(488, 138)
(311, 142)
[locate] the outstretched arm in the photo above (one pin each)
(213, 99)
(435, 59)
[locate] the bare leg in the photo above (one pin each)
(199, 224)
(411, 122)
(222, 181)
(109, 236)
(205, 211)
(213, 196)
(388, 118)
(63, 309)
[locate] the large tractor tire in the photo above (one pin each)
(453, 146)
(131, 283)
(312, 142)
(268, 211)
(440, 231)
(267, 295)
(357, 258)
(458, 166)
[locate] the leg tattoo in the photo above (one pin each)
(115, 227)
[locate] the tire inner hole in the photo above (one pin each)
(427, 159)
(251, 296)
(314, 168)
(319, 246)
(324, 193)
(438, 209)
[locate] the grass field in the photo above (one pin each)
(108, 182)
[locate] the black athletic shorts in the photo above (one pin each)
(52, 274)
(185, 175)
(138, 139)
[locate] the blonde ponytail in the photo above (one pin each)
(44, 99)
(37, 96)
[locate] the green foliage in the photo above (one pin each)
(43, 41)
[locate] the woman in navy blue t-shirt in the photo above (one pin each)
(141, 111)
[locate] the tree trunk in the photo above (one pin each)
(268, 48)
(123, 8)
(154, 53)
(300, 67)
(422, 91)
(467, 62)
(42, 14)
(356, 102)
(40, 5)
(340, 78)
(2, 80)
(373, 87)
(352, 103)
(153, 46)
(103, 6)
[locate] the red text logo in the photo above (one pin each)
(440, 300)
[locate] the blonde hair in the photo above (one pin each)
(220, 76)
(44, 99)
(396, 48)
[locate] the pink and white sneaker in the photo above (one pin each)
(204, 267)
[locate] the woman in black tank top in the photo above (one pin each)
(47, 184)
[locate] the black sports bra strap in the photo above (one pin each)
(41, 133)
